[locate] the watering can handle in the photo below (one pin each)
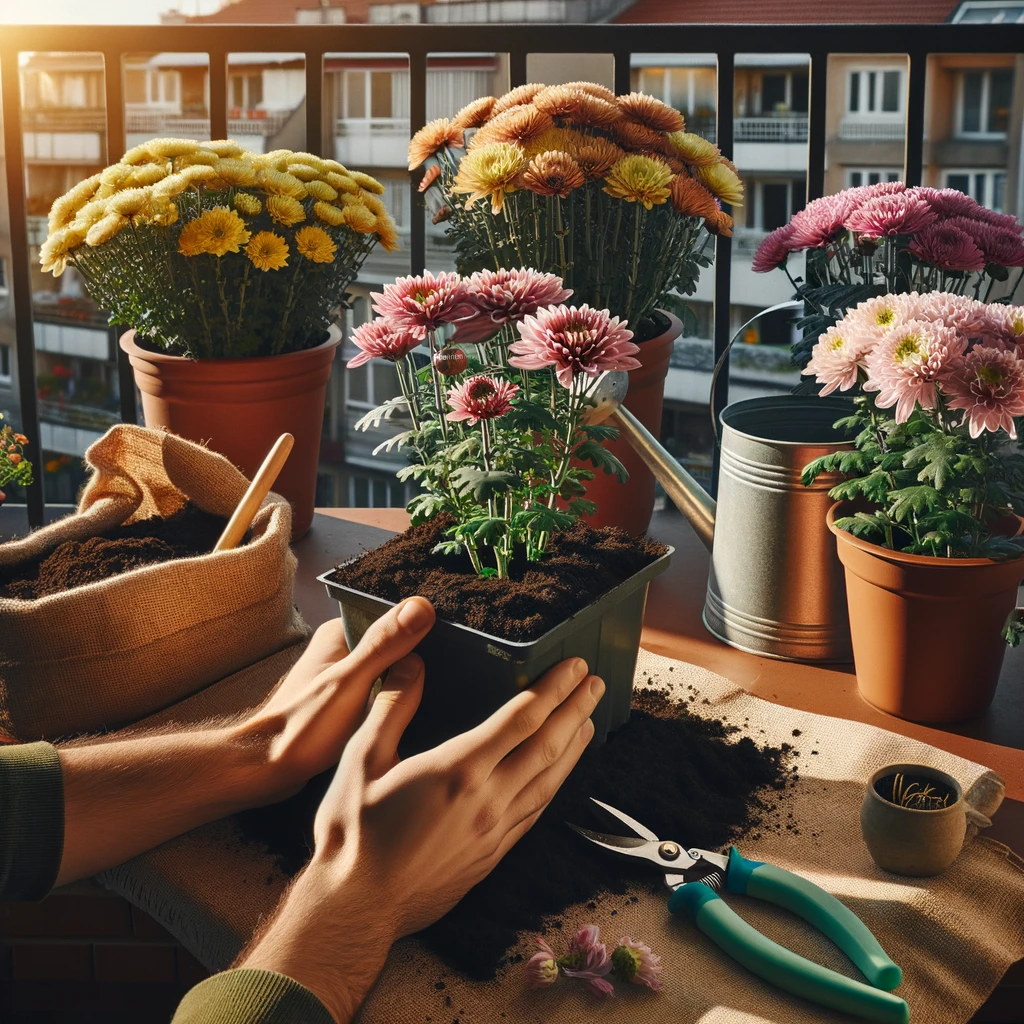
(793, 304)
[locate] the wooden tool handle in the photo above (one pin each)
(257, 491)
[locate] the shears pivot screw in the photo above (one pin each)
(669, 851)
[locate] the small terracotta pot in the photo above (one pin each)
(927, 632)
(629, 506)
(239, 407)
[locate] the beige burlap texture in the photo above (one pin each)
(954, 935)
(111, 652)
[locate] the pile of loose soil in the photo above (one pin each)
(687, 778)
(189, 531)
(580, 564)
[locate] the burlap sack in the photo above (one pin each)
(111, 652)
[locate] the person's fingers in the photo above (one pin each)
(389, 638)
(327, 646)
(518, 719)
(390, 715)
(547, 745)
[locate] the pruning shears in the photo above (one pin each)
(697, 876)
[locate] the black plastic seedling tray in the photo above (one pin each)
(469, 673)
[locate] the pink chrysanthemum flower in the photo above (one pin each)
(871, 320)
(896, 213)
(965, 315)
(773, 250)
(588, 959)
(635, 962)
(378, 339)
(988, 384)
(836, 360)
(999, 220)
(907, 363)
(881, 188)
(948, 202)
(481, 398)
(542, 968)
(501, 296)
(574, 340)
(1003, 324)
(820, 220)
(997, 244)
(948, 247)
(420, 305)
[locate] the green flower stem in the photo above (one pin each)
(408, 393)
(224, 304)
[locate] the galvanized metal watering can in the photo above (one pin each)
(776, 586)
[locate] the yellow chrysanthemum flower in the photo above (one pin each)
(218, 231)
(54, 252)
(280, 183)
(321, 190)
(366, 181)
(162, 212)
(267, 251)
(129, 203)
(198, 173)
(247, 204)
(285, 211)
(343, 182)
(93, 211)
(65, 209)
(237, 173)
(387, 235)
(302, 157)
(171, 147)
(639, 179)
(360, 219)
(303, 172)
(329, 214)
(115, 174)
(492, 171)
(722, 182)
(373, 203)
(333, 165)
(105, 229)
(315, 244)
(172, 185)
(224, 148)
(693, 150)
(146, 174)
(138, 155)
(199, 157)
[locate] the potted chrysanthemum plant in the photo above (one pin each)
(14, 467)
(611, 194)
(873, 240)
(227, 266)
(498, 437)
(927, 520)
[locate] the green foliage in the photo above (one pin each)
(14, 467)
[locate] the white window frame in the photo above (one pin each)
(986, 100)
(367, 94)
(156, 81)
(875, 115)
(990, 174)
(884, 173)
(691, 84)
(247, 105)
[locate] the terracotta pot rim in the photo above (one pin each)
(901, 557)
(127, 343)
(674, 329)
(920, 769)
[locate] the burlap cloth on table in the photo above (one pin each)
(954, 936)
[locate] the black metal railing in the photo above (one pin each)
(419, 41)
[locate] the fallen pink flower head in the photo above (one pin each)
(419, 305)
(481, 398)
(988, 384)
(499, 297)
(948, 247)
(588, 960)
(773, 250)
(542, 968)
(894, 213)
(378, 339)
(635, 962)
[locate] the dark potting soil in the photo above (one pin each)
(687, 778)
(189, 531)
(580, 564)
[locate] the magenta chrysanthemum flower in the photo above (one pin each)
(574, 340)
(635, 962)
(881, 188)
(997, 244)
(419, 305)
(588, 959)
(542, 968)
(988, 384)
(999, 220)
(896, 213)
(378, 339)
(481, 398)
(906, 364)
(836, 360)
(948, 202)
(773, 250)
(501, 296)
(948, 247)
(819, 221)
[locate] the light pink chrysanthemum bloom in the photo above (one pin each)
(481, 398)
(868, 322)
(773, 250)
(896, 213)
(819, 221)
(588, 959)
(542, 968)
(836, 360)
(635, 962)
(948, 247)
(1003, 324)
(420, 305)
(988, 384)
(501, 296)
(378, 339)
(906, 364)
(947, 202)
(965, 315)
(574, 340)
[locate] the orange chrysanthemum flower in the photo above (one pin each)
(690, 198)
(593, 89)
(432, 137)
(578, 106)
(651, 113)
(596, 156)
(720, 224)
(558, 100)
(516, 97)
(636, 138)
(521, 124)
(553, 174)
(474, 114)
(565, 140)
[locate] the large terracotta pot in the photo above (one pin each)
(239, 407)
(629, 506)
(927, 632)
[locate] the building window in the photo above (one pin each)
(984, 100)
(145, 86)
(874, 92)
(246, 91)
(987, 187)
(367, 94)
(784, 93)
(689, 90)
(772, 203)
(5, 364)
(871, 176)
(375, 492)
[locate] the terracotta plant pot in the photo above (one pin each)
(927, 632)
(239, 407)
(629, 506)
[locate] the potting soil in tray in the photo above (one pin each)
(189, 531)
(580, 564)
(688, 778)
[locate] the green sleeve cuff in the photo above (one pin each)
(31, 820)
(245, 996)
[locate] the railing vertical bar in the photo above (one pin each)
(723, 248)
(417, 119)
(315, 103)
(218, 94)
(816, 126)
(623, 69)
(516, 68)
(914, 154)
(21, 279)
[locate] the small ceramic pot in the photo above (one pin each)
(908, 841)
